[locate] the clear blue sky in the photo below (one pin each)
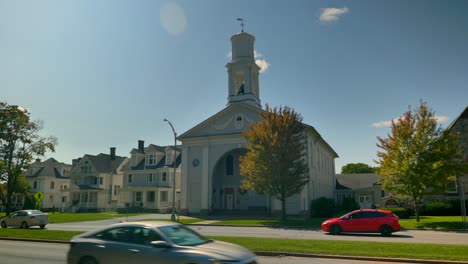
(106, 73)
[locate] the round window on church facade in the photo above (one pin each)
(196, 163)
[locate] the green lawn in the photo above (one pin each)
(354, 248)
(433, 222)
(350, 248)
(82, 217)
(314, 222)
(426, 222)
(181, 220)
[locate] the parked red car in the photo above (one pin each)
(364, 220)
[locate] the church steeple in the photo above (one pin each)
(243, 71)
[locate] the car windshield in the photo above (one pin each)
(183, 236)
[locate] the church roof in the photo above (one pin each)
(463, 115)
(191, 132)
(358, 181)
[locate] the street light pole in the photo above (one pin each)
(173, 217)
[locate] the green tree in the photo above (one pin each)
(354, 168)
(20, 143)
(418, 157)
(274, 163)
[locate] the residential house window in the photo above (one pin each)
(52, 185)
(101, 180)
(149, 177)
(138, 196)
(35, 184)
(169, 157)
(150, 159)
(163, 196)
(130, 178)
(85, 169)
(116, 187)
(95, 180)
(382, 193)
(150, 197)
(164, 177)
(452, 187)
(64, 199)
(229, 165)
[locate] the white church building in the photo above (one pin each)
(211, 178)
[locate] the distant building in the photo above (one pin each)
(52, 179)
(95, 181)
(149, 178)
(460, 125)
(211, 150)
(364, 188)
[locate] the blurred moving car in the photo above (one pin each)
(363, 220)
(153, 242)
(25, 219)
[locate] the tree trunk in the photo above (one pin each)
(416, 209)
(283, 209)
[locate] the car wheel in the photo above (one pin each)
(24, 225)
(386, 230)
(88, 260)
(335, 230)
(4, 224)
(42, 226)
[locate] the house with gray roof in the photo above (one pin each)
(149, 178)
(50, 177)
(95, 182)
(364, 188)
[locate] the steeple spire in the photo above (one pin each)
(243, 72)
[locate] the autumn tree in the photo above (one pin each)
(354, 168)
(20, 143)
(418, 157)
(274, 162)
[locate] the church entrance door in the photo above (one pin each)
(229, 198)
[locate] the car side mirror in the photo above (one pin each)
(160, 244)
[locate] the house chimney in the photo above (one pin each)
(112, 153)
(141, 146)
(38, 160)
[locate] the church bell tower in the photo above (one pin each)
(243, 72)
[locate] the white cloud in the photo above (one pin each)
(388, 123)
(332, 14)
(263, 64)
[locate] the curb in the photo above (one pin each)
(288, 254)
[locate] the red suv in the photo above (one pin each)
(364, 220)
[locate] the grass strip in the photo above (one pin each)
(349, 248)
(353, 248)
(181, 220)
(37, 233)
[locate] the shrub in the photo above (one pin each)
(440, 208)
(322, 207)
(349, 204)
(401, 212)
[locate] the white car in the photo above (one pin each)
(25, 219)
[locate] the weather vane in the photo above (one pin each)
(242, 23)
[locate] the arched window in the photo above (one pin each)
(229, 165)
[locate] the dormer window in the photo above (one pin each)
(169, 157)
(150, 159)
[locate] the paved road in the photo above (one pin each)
(12, 252)
(407, 236)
